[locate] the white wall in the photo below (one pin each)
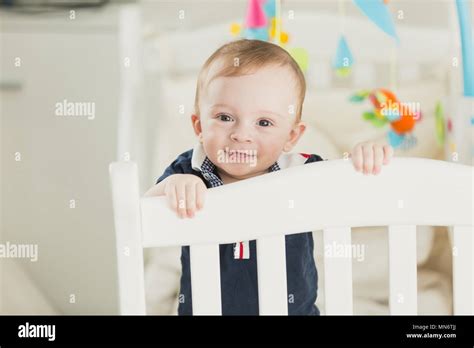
(62, 157)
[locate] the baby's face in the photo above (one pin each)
(247, 121)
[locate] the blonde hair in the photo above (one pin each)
(243, 57)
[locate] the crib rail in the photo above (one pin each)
(326, 195)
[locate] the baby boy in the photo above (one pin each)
(247, 118)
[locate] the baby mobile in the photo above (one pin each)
(387, 109)
(263, 22)
(343, 60)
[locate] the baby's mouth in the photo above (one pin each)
(238, 152)
(241, 157)
(241, 153)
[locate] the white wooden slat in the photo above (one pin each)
(402, 269)
(272, 282)
(129, 248)
(463, 270)
(338, 270)
(205, 280)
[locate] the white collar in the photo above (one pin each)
(286, 160)
(198, 157)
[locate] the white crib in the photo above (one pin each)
(327, 195)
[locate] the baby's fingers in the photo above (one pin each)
(200, 195)
(388, 153)
(357, 158)
(170, 192)
(378, 159)
(368, 154)
(181, 197)
(190, 199)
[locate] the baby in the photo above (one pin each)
(247, 118)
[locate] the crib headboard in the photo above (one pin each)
(326, 195)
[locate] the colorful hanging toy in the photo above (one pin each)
(377, 11)
(443, 124)
(260, 22)
(343, 61)
(263, 22)
(388, 110)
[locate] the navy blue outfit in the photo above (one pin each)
(239, 281)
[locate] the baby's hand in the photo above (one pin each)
(369, 157)
(185, 194)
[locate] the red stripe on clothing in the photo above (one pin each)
(241, 250)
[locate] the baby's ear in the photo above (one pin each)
(295, 134)
(196, 123)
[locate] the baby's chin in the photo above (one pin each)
(240, 170)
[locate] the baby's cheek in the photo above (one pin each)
(272, 147)
(212, 143)
(268, 153)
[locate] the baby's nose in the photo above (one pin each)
(241, 134)
(241, 137)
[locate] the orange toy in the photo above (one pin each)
(388, 109)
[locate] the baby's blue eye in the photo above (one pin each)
(224, 117)
(264, 123)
